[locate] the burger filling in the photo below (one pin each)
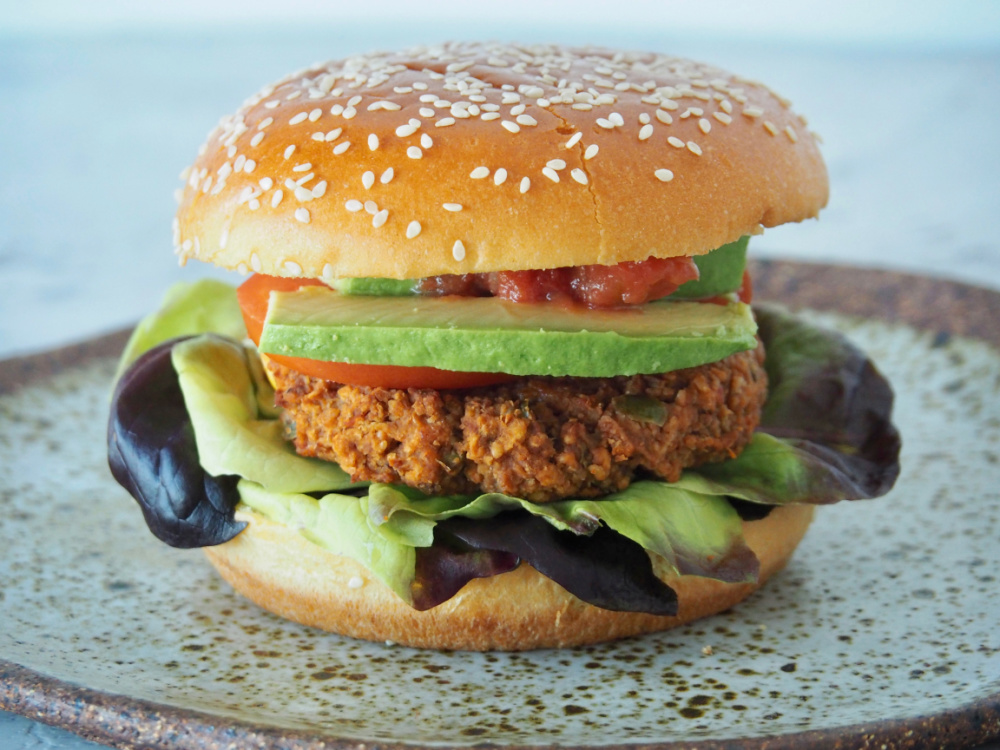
(541, 439)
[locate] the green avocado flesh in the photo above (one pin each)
(720, 272)
(487, 334)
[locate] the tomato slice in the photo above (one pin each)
(253, 298)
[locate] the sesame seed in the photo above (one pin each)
(605, 123)
(328, 271)
(403, 131)
(617, 119)
(337, 110)
(645, 132)
(320, 190)
(726, 106)
(752, 111)
(704, 125)
(276, 198)
(302, 214)
(303, 195)
(315, 114)
(479, 173)
(675, 142)
(582, 106)
(426, 141)
(368, 179)
(341, 147)
(770, 127)
(556, 164)
(372, 142)
(412, 229)
(722, 117)
(293, 268)
(238, 164)
(574, 140)
(792, 135)
(289, 151)
(255, 141)
(426, 112)
(354, 101)
(380, 218)
(371, 207)
(452, 206)
(354, 206)
(387, 175)
(350, 113)
(303, 167)
(525, 184)
(255, 262)
(669, 104)
(458, 250)
(500, 177)
(444, 122)
(579, 175)
(266, 183)
(333, 135)
(694, 148)
(664, 175)
(526, 120)
(591, 151)
(487, 116)
(300, 117)
(518, 109)
(264, 123)
(414, 152)
(550, 173)
(512, 127)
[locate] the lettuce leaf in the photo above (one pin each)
(225, 395)
(187, 309)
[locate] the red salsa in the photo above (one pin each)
(629, 283)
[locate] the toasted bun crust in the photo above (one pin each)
(276, 567)
(472, 158)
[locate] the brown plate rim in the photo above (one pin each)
(943, 307)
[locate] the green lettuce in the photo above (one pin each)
(187, 309)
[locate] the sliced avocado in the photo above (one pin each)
(374, 287)
(486, 334)
(720, 272)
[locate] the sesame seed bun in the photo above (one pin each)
(278, 569)
(470, 158)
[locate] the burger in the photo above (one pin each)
(494, 380)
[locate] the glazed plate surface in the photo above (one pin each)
(882, 630)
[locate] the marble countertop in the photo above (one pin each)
(96, 130)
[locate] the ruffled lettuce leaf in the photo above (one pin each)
(826, 433)
(152, 453)
(187, 309)
(231, 406)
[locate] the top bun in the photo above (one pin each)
(467, 158)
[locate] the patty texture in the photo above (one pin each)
(538, 438)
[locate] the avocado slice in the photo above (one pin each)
(487, 334)
(372, 286)
(720, 272)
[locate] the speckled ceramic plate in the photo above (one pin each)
(881, 632)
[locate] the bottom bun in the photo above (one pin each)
(278, 569)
